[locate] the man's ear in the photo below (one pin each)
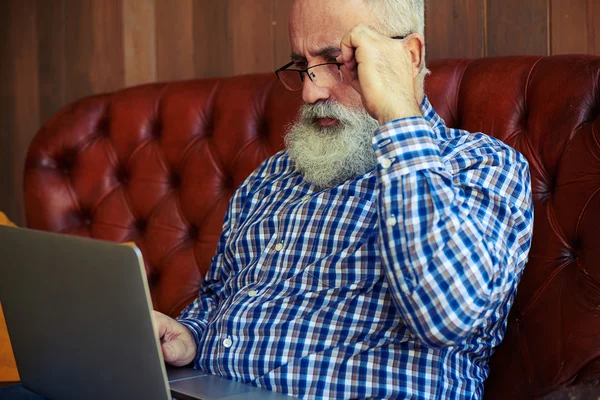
(416, 45)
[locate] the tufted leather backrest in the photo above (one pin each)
(157, 164)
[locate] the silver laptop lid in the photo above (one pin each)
(79, 317)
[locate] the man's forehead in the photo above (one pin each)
(318, 26)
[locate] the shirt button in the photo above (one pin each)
(386, 163)
(227, 343)
(391, 221)
(252, 293)
(279, 247)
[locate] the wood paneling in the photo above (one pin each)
(139, 36)
(474, 28)
(575, 26)
(455, 29)
(93, 47)
(281, 17)
(517, 27)
(251, 34)
(569, 27)
(51, 56)
(8, 203)
(174, 39)
(213, 55)
(593, 22)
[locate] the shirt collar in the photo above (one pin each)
(430, 115)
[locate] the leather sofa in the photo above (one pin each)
(157, 164)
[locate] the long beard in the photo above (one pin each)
(328, 156)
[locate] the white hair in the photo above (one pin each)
(400, 18)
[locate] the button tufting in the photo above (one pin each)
(175, 181)
(141, 225)
(193, 232)
(122, 175)
(157, 129)
(103, 127)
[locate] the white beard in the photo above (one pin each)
(328, 156)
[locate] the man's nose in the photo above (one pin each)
(312, 93)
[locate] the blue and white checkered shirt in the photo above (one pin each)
(396, 284)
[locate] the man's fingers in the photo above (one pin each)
(177, 352)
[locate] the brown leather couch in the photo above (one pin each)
(157, 164)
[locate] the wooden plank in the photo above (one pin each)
(139, 35)
(517, 27)
(252, 36)
(93, 47)
(593, 23)
(174, 39)
(106, 70)
(454, 29)
(25, 94)
(212, 39)
(281, 42)
(7, 115)
(569, 30)
(51, 56)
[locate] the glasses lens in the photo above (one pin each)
(291, 79)
(326, 75)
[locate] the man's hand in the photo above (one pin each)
(177, 342)
(383, 71)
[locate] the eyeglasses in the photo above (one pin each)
(322, 75)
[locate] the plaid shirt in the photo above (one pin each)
(395, 284)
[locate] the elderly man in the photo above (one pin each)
(377, 256)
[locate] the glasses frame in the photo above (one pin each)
(302, 72)
(305, 70)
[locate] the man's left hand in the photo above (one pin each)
(383, 71)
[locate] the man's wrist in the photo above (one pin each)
(400, 114)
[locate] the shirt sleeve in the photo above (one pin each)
(454, 233)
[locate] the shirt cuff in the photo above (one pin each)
(406, 145)
(195, 328)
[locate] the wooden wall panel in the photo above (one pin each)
(7, 112)
(281, 17)
(593, 21)
(569, 26)
(51, 56)
(517, 27)
(174, 39)
(455, 29)
(93, 47)
(575, 26)
(251, 34)
(139, 36)
(213, 55)
(25, 91)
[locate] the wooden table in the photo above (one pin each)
(8, 367)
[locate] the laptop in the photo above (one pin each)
(79, 318)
